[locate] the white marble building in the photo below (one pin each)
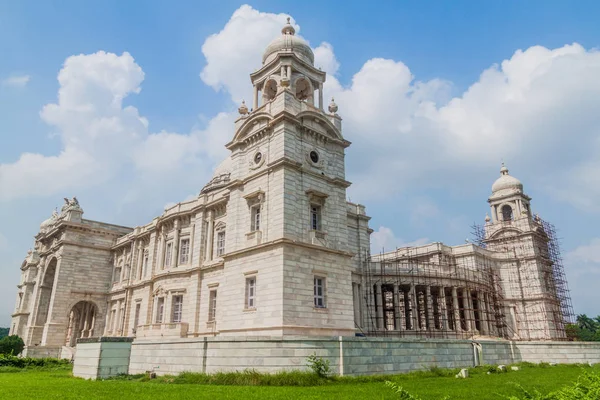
(270, 247)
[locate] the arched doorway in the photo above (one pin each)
(82, 321)
(46, 289)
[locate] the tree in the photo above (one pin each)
(11, 345)
(587, 329)
(4, 332)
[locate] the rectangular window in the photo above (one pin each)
(255, 218)
(160, 309)
(177, 308)
(319, 292)
(220, 243)
(184, 253)
(168, 254)
(315, 217)
(136, 319)
(212, 305)
(251, 292)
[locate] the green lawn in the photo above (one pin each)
(60, 385)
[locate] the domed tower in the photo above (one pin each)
(527, 281)
(508, 201)
(288, 63)
(287, 214)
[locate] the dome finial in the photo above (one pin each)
(288, 29)
(333, 108)
(243, 109)
(503, 169)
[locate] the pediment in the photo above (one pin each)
(256, 123)
(319, 124)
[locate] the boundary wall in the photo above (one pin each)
(347, 355)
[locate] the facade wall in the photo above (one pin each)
(359, 356)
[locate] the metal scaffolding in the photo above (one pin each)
(512, 287)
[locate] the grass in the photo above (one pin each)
(433, 384)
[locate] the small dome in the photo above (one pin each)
(288, 42)
(506, 181)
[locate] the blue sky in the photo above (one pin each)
(433, 96)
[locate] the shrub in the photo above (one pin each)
(27, 362)
(11, 345)
(319, 366)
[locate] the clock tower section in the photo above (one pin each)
(290, 157)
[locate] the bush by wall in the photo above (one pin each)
(11, 345)
(25, 362)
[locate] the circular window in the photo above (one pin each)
(314, 156)
(257, 157)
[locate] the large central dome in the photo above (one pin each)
(288, 42)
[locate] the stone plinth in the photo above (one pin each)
(99, 358)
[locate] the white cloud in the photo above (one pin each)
(582, 266)
(538, 109)
(101, 138)
(236, 51)
(16, 81)
(384, 239)
(587, 254)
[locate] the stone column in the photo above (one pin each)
(414, 312)
(255, 100)
(209, 236)
(490, 314)
(467, 309)
(175, 253)
(93, 324)
(483, 315)
(401, 316)
(421, 307)
(443, 310)
(429, 305)
(167, 309)
(457, 324)
(140, 260)
(161, 253)
(321, 95)
(380, 304)
(289, 73)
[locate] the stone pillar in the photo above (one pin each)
(321, 95)
(422, 306)
(209, 236)
(467, 308)
(412, 297)
(255, 100)
(483, 315)
(140, 260)
(93, 324)
(289, 72)
(443, 310)
(429, 304)
(175, 253)
(380, 304)
(401, 316)
(161, 253)
(457, 324)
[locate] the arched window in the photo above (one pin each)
(507, 213)
(304, 90)
(270, 90)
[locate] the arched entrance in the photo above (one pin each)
(82, 321)
(46, 289)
